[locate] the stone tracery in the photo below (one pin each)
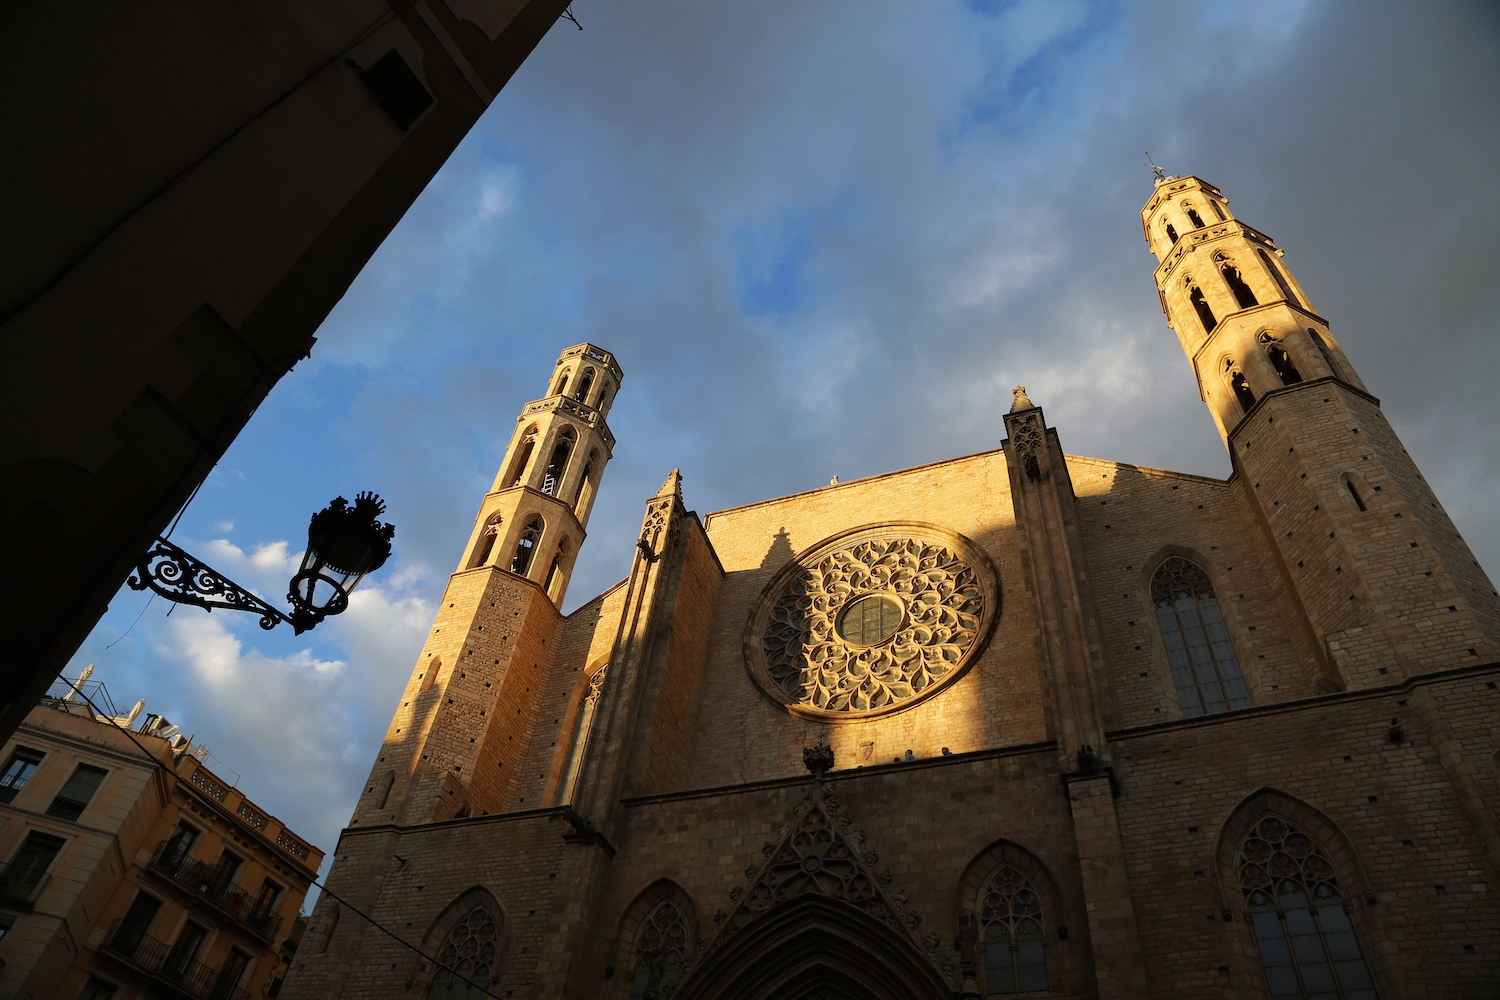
(812, 659)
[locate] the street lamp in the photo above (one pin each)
(345, 543)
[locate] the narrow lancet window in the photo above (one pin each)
(523, 458)
(1194, 217)
(1217, 210)
(584, 385)
(1243, 293)
(1281, 282)
(1198, 645)
(1323, 349)
(1354, 492)
(559, 463)
(383, 791)
(585, 487)
(486, 546)
(1205, 312)
(1292, 897)
(562, 385)
(1010, 926)
(526, 546)
(1172, 233)
(1280, 359)
(1238, 385)
(581, 727)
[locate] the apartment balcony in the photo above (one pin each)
(182, 974)
(209, 883)
(21, 885)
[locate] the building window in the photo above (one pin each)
(1323, 349)
(1198, 646)
(134, 925)
(467, 958)
(870, 619)
(660, 953)
(384, 791)
(1204, 310)
(1217, 210)
(1307, 942)
(1348, 482)
(76, 793)
(1243, 293)
(523, 459)
(180, 959)
(584, 385)
(1238, 385)
(265, 903)
(18, 770)
(553, 479)
(586, 487)
(20, 880)
(1281, 282)
(526, 546)
(7, 921)
(581, 727)
(555, 570)
(1010, 927)
(177, 848)
(562, 385)
(1171, 232)
(224, 872)
(1194, 217)
(1280, 359)
(486, 545)
(97, 989)
(226, 983)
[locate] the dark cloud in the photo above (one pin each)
(828, 238)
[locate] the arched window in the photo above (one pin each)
(1238, 385)
(1281, 282)
(1243, 294)
(430, 675)
(523, 458)
(1292, 896)
(526, 546)
(1217, 210)
(584, 385)
(559, 462)
(582, 725)
(1010, 930)
(1348, 482)
(660, 953)
(585, 487)
(1194, 217)
(1280, 359)
(1323, 349)
(383, 790)
(486, 546)
(1198, 646)
(562, 384)
(466, 958)
(1171, 232)
(1205, 312)
(603, 398)
(556, 567)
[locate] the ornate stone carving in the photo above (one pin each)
(926, 600)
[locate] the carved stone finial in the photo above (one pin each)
(673, 485)
(1019, 400)
(818, 758)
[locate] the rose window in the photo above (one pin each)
(872, 621)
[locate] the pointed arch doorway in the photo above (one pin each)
(815, 947)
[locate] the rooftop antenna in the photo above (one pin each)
(1161, 172)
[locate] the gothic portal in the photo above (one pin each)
(1016, 723)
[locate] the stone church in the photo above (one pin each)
(1015, 723)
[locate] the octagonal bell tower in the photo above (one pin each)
(452, 747)
(1386, 583)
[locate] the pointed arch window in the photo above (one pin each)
(562, 385)
(383, 791)
(553, 479)
(1171, 232)
(583, 724)
(466, 960)
(1010, 927)
(1280, 359)
(1200, 305)
(523, 458)
(1198, 646)
(1194, 217)
(526, 546)
(486, 546)
(1281, 282)
(1217, 210)
(660, 953)
(584, 385)
(586, 486)
(1238, 384)
(1243, 293)
(1323, 349)
(556, 567)
(1295, 905)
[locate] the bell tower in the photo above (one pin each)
(1384, 579)
(452, 747)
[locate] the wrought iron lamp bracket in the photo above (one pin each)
(183, 578)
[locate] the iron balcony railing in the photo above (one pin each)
(217, 886)
(171, 964)
(20, 885)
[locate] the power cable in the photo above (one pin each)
(156, 761)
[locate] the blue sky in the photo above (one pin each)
(827, 239)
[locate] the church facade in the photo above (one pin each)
(1013, 723)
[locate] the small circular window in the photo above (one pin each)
(870, 619)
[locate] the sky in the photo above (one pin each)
(828, 239)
